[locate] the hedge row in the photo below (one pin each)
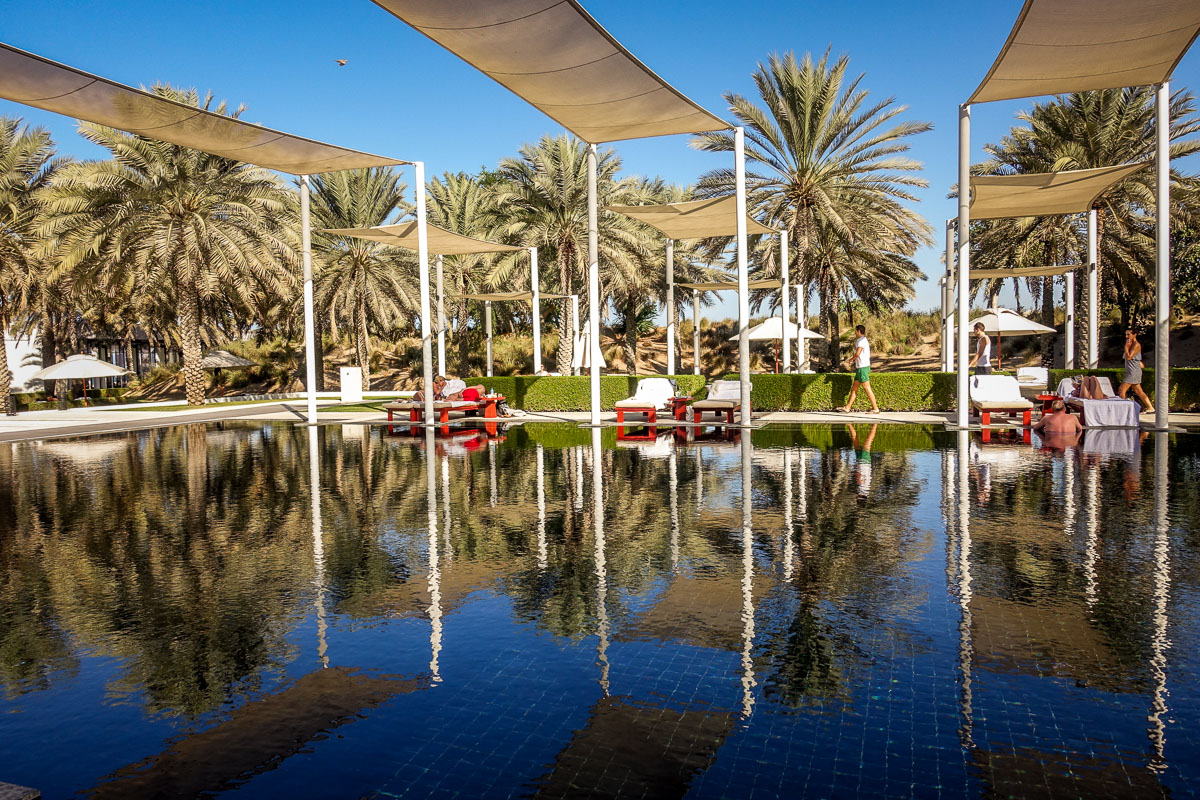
(573, 392)
(894, 391)
(36, 401)
(1184, 384)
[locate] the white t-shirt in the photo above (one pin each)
(864, 357)
(985, 360)
(453, 386)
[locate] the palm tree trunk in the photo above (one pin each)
(360, 342)
(1048, 320)
(189, 334)
(566, 335)
(464, 342)
(631, 342)
(829, 326)
(6, 376)
(48, 344)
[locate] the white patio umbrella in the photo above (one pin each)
(581, 355)
(223, 359)
(1002, 322)
(79, 367)
(772, 328)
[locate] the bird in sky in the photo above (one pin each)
(341, 62)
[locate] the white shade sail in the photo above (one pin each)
(79, 367)
(500, 297)
(555, 56)
(441, 241)
(772, 329)
(730, 286)
(1062, 46)
(35, 81)
(223, 359)
(697, 219)
(1023, 272)
(1009, 323)
(1044, 193)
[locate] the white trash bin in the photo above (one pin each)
(351, 384)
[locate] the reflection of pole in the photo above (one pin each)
(673, 479)
(788, 548)
(747, 585)
(699, 481)
(492, 470)
(1093, 532)
(541, 501)
(446, 505)
(948, 508)
(1162, 594)
(435, 575)
(601, 568)
(965, 646)
(1069, 509)
(318, 544)
(579, 478)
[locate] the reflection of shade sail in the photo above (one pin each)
(555, 56)
(722, 286)
(697, 219)
(440, 241)
(1023, 272)
(41, 83)
(1063, 46)
(499, 297)
(1044, 193)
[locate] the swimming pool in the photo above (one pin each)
(548, 611)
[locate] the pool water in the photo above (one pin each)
(798, 611)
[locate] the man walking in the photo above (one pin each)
(981, 362)
(862, 371)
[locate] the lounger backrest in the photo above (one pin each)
(725, 390)
(995, 388)
(1106, 385)
(1039, 376)
(654, 390)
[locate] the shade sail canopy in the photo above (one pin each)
(223, 359)
(555, 56)
(41, 83)
(772, 329)
(441, 241)
(499, 297)
(729, 286)
(585, 350)
(79, 367)
(1062, 46)
(1023, 272)
(1044, 193)
(1009, 323)
(698, 219)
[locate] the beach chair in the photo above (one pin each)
(998, 394)
(724, 397)
(651, 395)
(1111, 412)
(1033, 379)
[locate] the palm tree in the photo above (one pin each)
(834, 176)
(363, 285)
(202, 227)
(542, 195)
(27, 164)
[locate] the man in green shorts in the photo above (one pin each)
(862, 371)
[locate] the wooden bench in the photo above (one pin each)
(484, 406)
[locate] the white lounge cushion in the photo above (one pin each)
(716, 405)
(725, 390)
(1002, 405)
(1033, 376)
(653, 392)
(995, 389)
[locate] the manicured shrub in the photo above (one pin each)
(573, 392)
(895, 391)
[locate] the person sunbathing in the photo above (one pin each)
(452, 389)
(1058, 422)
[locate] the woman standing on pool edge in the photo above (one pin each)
(1133, 371)
(862, 371)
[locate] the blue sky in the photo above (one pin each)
(402, 95)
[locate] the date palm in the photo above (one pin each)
(828, 165)
(199, 227)
(364, 286)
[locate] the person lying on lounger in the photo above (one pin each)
(453, 389)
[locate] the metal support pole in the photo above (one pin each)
(575, 320)
(739, 166)
(948, 301)
(695, 331)
(1069, 302)
(487, 328)
(310, 321)
(535, 288)
(426, 316)
(670, 306)
(785, 300)
(1093, 296)
(1162, 238)
(441, 320)
(593, 287)
(964, 257)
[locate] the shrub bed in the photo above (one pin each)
(573, 392)
(895, 391)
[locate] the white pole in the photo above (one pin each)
(441, 320)
(426, 321)
(1093, 288)
(964, 257)
(575, 320)
(739, 166)
(1162, 306)
(535, 287)
(948, 300)
(310, 321)
(784, 300)
(695, 331)
(802, 322)
(670, 306)
(487, 328)
(1069, 302)
(593, 287)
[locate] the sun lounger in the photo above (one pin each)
(1033, 380)
(484, 406)
(724, 397)
(651, 395)
(992, 394)
(1111, 412)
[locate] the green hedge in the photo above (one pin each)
(1184, 383)
(573, 392)
(895, 391)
